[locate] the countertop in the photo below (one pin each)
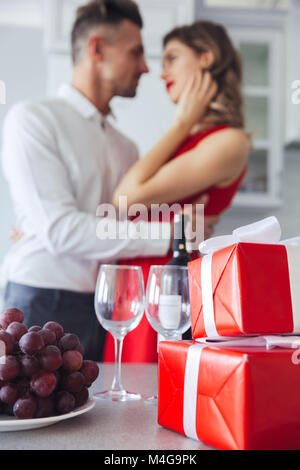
(109, 425)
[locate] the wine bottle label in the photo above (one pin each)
(169, 311)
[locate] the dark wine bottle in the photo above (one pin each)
(180, 255)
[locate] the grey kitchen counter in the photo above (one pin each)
(109, 425)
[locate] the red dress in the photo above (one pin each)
(140, 345)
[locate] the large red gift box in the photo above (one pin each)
(230, 398)
(246, 289)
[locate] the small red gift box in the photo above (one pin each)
(246, 289)
(230, 397)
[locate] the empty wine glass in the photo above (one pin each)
(119, 306)
(168, 303)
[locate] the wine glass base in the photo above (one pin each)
(151, 400)
(121, 395)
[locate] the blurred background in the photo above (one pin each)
(34, 60)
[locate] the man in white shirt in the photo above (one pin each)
(62, 158)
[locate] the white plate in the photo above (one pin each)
(9, 423)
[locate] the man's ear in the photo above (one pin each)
(95, 48)
(206, 60)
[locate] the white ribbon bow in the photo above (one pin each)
(266, 231)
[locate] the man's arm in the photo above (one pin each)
(40, 185)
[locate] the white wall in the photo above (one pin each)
(23, 69)
(24, 13)
(278, 4)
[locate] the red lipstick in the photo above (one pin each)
(168, 85)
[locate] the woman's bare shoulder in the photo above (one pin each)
(227, 149)
(232, 134)
(230, 140)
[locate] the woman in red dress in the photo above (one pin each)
(204, 151)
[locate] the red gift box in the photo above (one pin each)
(246, 289)
(230, 397)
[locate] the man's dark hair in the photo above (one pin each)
(101, 12)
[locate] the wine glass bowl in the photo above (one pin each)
(168, 303)
(119, 307)
(167, 300)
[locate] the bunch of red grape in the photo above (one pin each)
(43, 372)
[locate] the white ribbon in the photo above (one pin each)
(207, 298)
(191, 390)
(268, 341)
(193, 366)
(266, 231)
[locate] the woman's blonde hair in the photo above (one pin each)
(202, 36)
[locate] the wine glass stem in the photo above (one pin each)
(117, 384)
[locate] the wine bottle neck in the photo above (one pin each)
(180, 254)
(179, 243)
(179, 250)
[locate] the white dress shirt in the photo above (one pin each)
(62, 158)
